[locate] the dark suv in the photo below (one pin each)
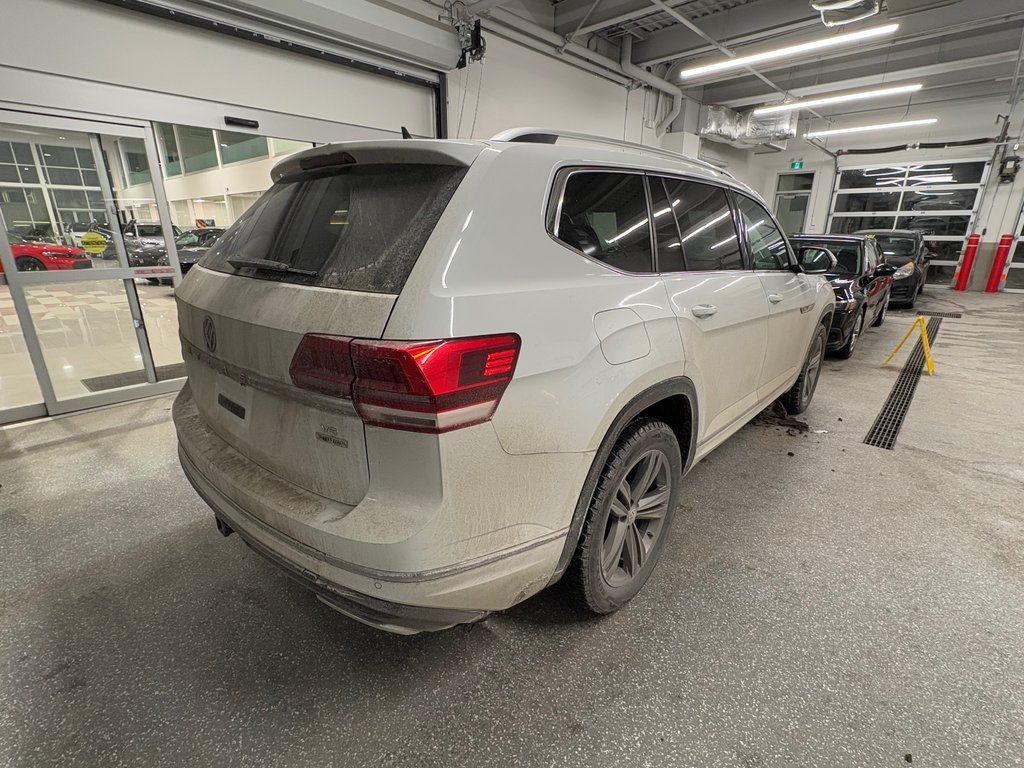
(906, 250)
(862, 282)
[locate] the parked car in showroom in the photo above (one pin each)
(39, 257)
(78, 229)
(144, 234)
(190, 244)
(906, 250)
(862, 282)
(491, 372)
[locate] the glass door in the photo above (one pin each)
(792, 200)
(87, 253)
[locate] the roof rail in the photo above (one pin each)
(552, 135)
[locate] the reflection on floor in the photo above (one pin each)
(86, 332)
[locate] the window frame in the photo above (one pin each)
(556, 197)
(556, 194)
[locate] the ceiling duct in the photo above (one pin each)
(835, 13)
(768, 133)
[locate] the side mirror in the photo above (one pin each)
(885, 270)
(816, 261)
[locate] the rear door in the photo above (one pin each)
(790, 296)
(324, 251)
(718, 302)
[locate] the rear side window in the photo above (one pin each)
(706, 227)
(360, 228)
(604, 215)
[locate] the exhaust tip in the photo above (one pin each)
(224, 528)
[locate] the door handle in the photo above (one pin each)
(704, 310)
(774, 298)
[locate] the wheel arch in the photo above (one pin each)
(673, 401)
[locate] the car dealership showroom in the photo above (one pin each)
(512, 383)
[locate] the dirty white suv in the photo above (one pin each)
(429, 378)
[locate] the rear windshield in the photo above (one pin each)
(897, 250)
(360, 228)
(150, 230)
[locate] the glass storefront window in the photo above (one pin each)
(287, 146)
(136, 166)
(847, 225)
(168, 144)
(854, 202)
(198, 149)
(930, 224)
(237, 147)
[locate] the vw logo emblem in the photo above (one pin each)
(209, 334)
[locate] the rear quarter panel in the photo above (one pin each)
(491, 267)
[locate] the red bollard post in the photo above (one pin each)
(963, 272)
(1002, 254)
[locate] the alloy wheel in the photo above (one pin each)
(637, 517)
(813, 367)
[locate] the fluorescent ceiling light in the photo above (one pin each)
(863, 128)
(823, 100)
(788, 51)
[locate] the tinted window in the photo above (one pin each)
(360, 228)
(666, 233)
(604, 215)
(847, 253)
(871, 256)
(705, 221)
(767, 244)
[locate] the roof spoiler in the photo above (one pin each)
(389, 151)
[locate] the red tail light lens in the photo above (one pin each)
(423, 386)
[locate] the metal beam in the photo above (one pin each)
(482, 6)
(853, 83)
(675, 43)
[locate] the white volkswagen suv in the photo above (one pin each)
(429, 378)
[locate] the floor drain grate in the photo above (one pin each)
(952, 315)
(890, 419)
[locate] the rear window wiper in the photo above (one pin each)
(275, 266)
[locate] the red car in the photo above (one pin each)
(34, 257)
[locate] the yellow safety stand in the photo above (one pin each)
(919, 323)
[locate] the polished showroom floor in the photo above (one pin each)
(821, 602)
(87, 335)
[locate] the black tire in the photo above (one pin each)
(153, 281)
(881, 315)
(28, 264)
(620, 543)
(912, 301)
(920, 288)
(802, 391)
(846, 351)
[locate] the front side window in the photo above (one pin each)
(768, 247)
(604, 215)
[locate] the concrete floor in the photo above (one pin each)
(820, 602)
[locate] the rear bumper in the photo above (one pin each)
(383, 614)
(358, 578)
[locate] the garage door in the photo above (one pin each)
(939, 198)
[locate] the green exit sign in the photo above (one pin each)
(796, 165)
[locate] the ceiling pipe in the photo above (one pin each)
(643, 76)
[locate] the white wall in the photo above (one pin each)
(516, 86)
(101, 43)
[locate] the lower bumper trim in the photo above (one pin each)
(381, 614)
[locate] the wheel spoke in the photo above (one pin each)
(613, 544)
(623, 495)
(647, 474)
(633, 551)
(654, 506)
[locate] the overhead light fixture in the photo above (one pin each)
(788, 51)
(841, 98)
(864, 128)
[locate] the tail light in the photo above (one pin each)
(421, 386)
